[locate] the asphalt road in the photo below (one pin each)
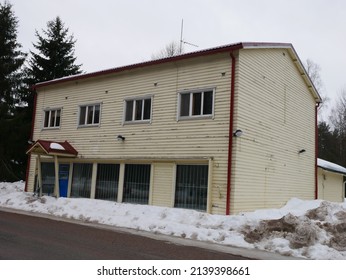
(24, 237)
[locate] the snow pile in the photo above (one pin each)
(306, 229)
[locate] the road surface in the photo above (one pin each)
(24, 237)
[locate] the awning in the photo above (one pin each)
(53, 148)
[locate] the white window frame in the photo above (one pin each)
(133, 120)
(86, 114)
(192, 92)
(50, 110)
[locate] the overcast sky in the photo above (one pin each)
(113, 33)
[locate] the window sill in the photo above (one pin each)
(137, 122)
(51, 128)
(195, 118)
(88, 125)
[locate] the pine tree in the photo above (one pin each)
(55, 57)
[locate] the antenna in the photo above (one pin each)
(182, 40)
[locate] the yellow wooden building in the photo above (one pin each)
(222, 130)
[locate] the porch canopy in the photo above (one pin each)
(54, 149)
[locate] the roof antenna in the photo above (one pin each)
(182, 40)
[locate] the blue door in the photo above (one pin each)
(63, 179)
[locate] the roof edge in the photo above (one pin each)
(210, 51)
(330, 166)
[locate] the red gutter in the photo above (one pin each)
(230, 139)
(316, 150)
(31, 138)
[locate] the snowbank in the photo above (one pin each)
(307, 229)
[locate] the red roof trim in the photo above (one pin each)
(48, 148)
(216, 50)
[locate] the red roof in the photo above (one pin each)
(53, 148)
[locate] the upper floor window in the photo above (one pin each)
(199, 103)
(138, 109)
(89, 115)
(52, 118)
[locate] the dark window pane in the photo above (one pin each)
(48, 177)
(191, 187)
(208, 103)
(184, 104)
(46, 119)
(97, 114)
(147, 109)
(57, 118)
(138, 114)
(129, 110)
(82, 115)
(107, 181)
(90, 114)
(81, 180)
(52, 118)
(136, 183)
(196, 103)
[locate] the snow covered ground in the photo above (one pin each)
(307, 229)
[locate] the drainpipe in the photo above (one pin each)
(230, 138)
(316, 150)
(31, 136)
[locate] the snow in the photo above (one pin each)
(56, 146)
(330, 166)
(310, 229)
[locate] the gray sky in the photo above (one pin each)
(113, 33)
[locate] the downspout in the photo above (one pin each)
(31, 136)
(316, 150)
(230, 138)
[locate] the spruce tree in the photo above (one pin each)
(11, 61)
(12, 129)
(55, 57)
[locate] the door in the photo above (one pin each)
(64, 170)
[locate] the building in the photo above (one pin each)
(222, 130)
(331, 182)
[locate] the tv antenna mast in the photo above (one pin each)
(182, 40)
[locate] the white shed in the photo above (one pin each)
(331, 183)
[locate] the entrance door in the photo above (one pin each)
(64, 170)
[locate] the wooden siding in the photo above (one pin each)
(164, 137)
(163, 186)
(276, 113)
(330, 186)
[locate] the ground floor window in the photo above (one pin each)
(107, 181)
(136, 183)
(48, 177)
(191, 187)
(81, 180)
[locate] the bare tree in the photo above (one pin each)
(338, 121)
(171, 49)
(338, 113)
(314, 70)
